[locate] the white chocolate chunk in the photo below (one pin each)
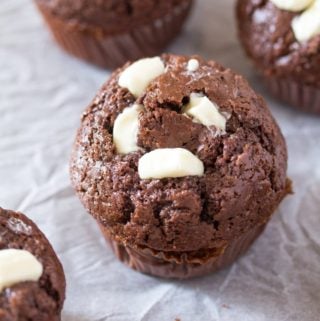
(307, 25)
(205, 111)
(125, 130)
(193, 65)
(169, 162)
(138, 76)
(292, 5)
(18, 266)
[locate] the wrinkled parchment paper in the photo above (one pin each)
(42, 94)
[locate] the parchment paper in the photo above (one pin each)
(42, 94)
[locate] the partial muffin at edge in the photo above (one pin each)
(31, 300)
(108, 33)
(290, 68)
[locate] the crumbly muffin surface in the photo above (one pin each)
(268, 38)
(25, 301)
(111, 15)
(245, 167)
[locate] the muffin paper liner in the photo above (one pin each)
(113, 50)
(300, 96)
(181, 265)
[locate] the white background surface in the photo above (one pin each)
(42, 94)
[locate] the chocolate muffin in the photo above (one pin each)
(32, 282)
(108, 33)
(282, 38)
(181, 163)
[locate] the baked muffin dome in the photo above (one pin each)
(108, 33)
(290, 65)
(245, 163)
(40, 299)
(110, 15)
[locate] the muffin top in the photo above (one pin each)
(205, 163)
(40, 293)
(282, 41)
(110, 15)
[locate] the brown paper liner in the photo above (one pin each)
(181, 265)
(298, 95)
(113, 50)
